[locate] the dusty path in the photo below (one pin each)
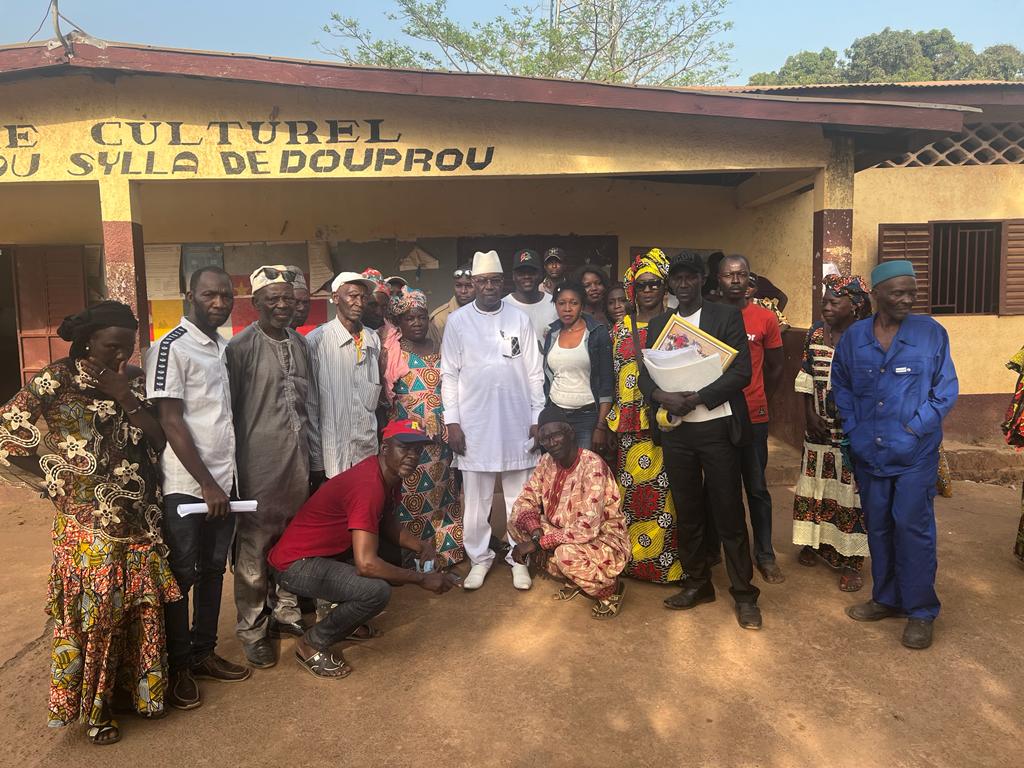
(501, 678)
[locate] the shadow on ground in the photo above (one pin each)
(499, 678)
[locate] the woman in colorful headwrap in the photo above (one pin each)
(1013, 428)
(109, 578)
(827, 517)
(639, 467)
(430, 500)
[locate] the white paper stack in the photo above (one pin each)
(684, 370)
(202, 509)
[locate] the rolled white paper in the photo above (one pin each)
(202, 509)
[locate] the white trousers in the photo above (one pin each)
(478, 489)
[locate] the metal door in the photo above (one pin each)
(49, 282)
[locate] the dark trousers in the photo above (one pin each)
(759, 501)
(583, 421)
(899, 514)
(703, 468)
(198, 555)
(358, 598)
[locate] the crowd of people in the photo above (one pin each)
(365, 455)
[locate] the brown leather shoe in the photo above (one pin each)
(183, 691)
(214, 667)
(771, 572)
(872, 611)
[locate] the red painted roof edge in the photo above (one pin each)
(139, 59)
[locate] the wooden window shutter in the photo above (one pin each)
(1011, 300)
(914, 243)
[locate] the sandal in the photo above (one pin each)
(609, 607)
(567, 592)
(102, 735)
(325, 665)
(808, 557)
(850, 581)
(364, 632)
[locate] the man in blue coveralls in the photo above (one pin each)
(893, 382)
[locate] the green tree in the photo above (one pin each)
(899, 56)
(999, 62)
(658, 42)
(804, 68)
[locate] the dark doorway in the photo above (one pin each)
(10, 380)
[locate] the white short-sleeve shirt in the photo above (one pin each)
(187, 365)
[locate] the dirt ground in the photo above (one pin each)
(502, 678)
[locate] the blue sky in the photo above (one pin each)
(764, 33)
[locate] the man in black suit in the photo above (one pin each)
(705, 455)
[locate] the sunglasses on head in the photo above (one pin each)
(462, 273)
(272, 274)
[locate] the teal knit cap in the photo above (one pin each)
(890, 269)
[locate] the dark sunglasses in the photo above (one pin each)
(272, 274)
(650, 285)
(462, 273)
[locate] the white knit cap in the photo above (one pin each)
(487, 263)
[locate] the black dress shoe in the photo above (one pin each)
(690, 597)
(917, 634)
(279, 629)
(872, 611)
(260, 654)
(748, 615)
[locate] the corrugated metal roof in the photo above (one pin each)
(89, 53)
(864, 86)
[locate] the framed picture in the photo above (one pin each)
(679, 333)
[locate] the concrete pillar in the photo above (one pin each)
(833, 214)
(123, 251)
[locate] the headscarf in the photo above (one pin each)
(851, 286)
(375, 276)
(408, 298)
(654, 262)
(107, 314)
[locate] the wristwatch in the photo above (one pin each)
(536, 540)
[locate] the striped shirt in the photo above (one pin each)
(348, 381)
(188, 365)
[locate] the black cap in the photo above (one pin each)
(691, 261)
(554, 253)
(526, 258)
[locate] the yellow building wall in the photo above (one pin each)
(79, 127)
(981, 344)
(775, 237)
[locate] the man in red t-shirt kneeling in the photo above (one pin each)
(343, 521)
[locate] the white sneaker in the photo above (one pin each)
(521, 576)
(475, 578)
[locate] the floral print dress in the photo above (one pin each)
(109, 579)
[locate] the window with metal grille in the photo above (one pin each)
(963, 267)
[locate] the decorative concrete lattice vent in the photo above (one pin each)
(979, 144)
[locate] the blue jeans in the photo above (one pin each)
(759, 501)
(583, 421)
(198, 555)
(358, 598)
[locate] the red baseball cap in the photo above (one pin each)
(406, 431)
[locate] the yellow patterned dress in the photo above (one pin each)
(640, 469)
(430, 505)
(109, 579)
